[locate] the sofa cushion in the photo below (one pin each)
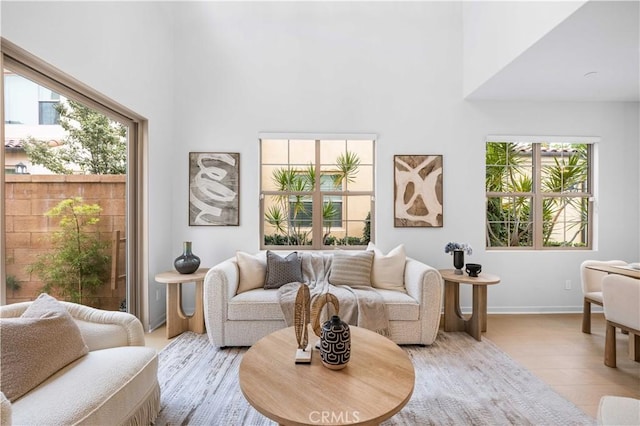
(387, 271)
(257, 305)
(282, 270)
(351, 268)
(252, 270)
(36, 345)
(105, 387)
(254, 305)
(400, 306)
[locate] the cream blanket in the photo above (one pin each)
(359, 305)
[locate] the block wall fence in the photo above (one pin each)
(28, 230)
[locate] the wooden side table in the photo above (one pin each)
(177, 321)
(453, 319)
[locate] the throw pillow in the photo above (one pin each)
(388, 271)
(252, 270)
(36, 345)
(353, 269)
(281, 271)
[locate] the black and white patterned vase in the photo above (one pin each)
(335, 343)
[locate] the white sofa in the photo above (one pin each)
(234, 319)
(115, 383)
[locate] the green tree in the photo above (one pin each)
(13, 284)
(509, 220)
(94, 143)
(284, 215)
(564, 174)
(78, 264)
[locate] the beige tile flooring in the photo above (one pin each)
(553, 347)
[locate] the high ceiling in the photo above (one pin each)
(594, 55)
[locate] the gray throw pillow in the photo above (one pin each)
(352, 269)
(281, 271)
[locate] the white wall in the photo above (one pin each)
(384, 68)
(394, 70)
(497, 32)
(123, 50)
(534, 281)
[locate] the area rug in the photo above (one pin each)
(459, 381)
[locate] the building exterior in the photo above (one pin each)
(30, 112)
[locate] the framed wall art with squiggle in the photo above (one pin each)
(214, 188)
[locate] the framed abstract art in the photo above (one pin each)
(417, 191)
(214, 188)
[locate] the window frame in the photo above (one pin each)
(325, 194)
(22, 62)
(42, 116)
(317, 194)
(537, 194)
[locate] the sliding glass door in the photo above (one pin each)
(71, 222)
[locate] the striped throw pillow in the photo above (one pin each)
(352, 269)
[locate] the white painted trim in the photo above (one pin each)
(595, 191)
(542, 139)
(322, 136)
(159, 322)
(529, 310)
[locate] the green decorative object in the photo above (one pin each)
(187, 262)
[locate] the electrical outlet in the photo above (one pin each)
(567, 285)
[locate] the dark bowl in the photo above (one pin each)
(473, 269)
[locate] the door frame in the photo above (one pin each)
(26, 64)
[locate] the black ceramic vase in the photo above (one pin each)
(335, 343)
(458, 261)
(187, 263)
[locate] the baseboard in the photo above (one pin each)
(533, 310)
(158, 323)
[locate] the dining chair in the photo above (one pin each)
(591, 281)
(621, 297)
(618, 411)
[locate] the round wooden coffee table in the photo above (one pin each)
(376, 383)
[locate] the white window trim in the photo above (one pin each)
(322, 136)
(542, 139)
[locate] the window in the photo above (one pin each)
(47, 106)
(332, 207)
(26, 74)
(316, 193)
(539, 192)
(47, 112)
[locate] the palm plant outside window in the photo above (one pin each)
(316, 193)
(539, 195)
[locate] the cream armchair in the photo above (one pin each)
(114, 383)
(591, 281)
(621, 297)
